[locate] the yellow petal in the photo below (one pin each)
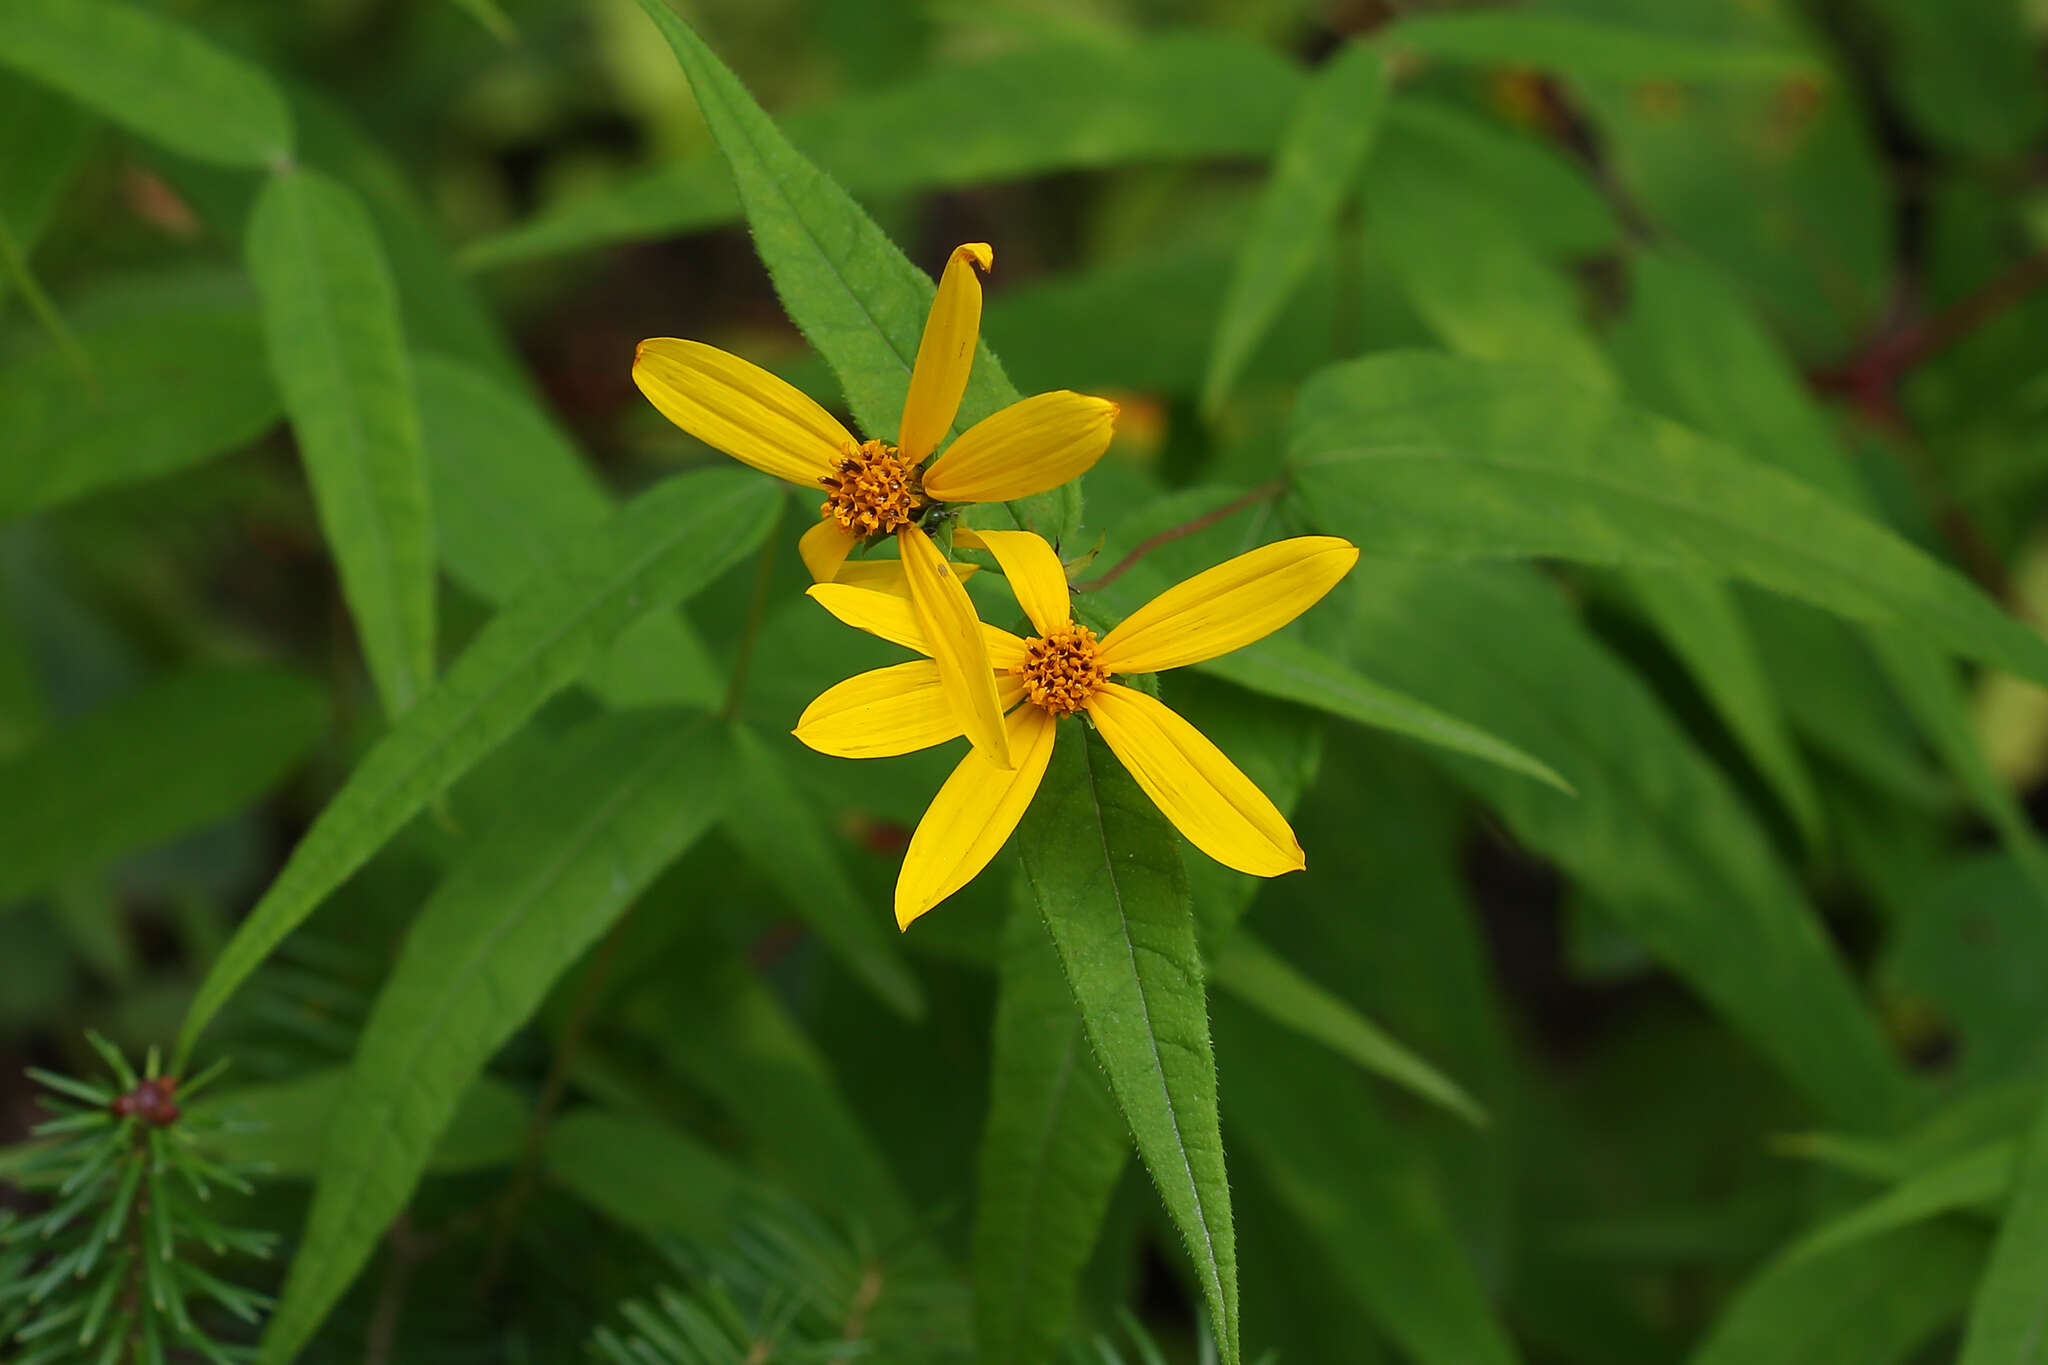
(1227, 607)
(1034, 572)
(884, 609)
(1028, 447)
(886, 712)
(945, 354)
(952, 633)
(886, 575)
(825, 548)
(739, 408)
(1205, 795)
(971, 817)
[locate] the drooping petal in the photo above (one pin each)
(945, 354)
(1227, 607)
(825, 548)
(1034, 572)
(1208, 799)
(1028, 447)
(971, 817)
(886, 575)
(884, 609)
(952, 632)
(740, 408)
(887, 711)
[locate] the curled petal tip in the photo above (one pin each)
(983, 256)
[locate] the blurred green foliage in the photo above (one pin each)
(395, 710)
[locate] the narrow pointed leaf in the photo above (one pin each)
(152, 75)
(1572, 46)
(857, 298)
(1051, 1157)
(1981, 1176)
(337, 349)
(1267, 982)
(658, 550)
(1436, 457)
(1315, 170)
(624, 796)
(1104, 867)
(2008, 1321)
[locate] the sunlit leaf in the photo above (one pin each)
(2008, 1321)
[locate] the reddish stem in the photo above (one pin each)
(1263, 493)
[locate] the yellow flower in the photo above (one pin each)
(873, 489)
(1063, 670)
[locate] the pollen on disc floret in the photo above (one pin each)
(1061, 671)
(871, 490)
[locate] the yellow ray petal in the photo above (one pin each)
(1227, 607)
(739, 408)
(887, 711)
(884, 609)
(1034, 572)
(971, 817)
(825, 548)
(945, 354)
(886, 575)
(1205, 795)
(1026, 448)
(952, 633)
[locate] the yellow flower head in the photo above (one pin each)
(873, 489)
(1061, 671)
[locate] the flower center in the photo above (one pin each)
(872, 490)
(1062, 670)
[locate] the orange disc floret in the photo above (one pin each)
(1061, 671)
(871, 490)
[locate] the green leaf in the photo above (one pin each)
(1359, 1188)
(51, 137)
(494, 20)
(178, 378)
(2008, 1322)
(1315, 169)
(151, 75)
(1555, 205)
(1655, 834)
(858, 299)
(1875, 1303)
(1964, 71)
(509, 493)
(645, 1174)
(1977, 1178)
(1104, 867)
(179, 756)
(1051, 1156)
(1572, 46)
(620, 801)
(658, 550)
(1065, 106)
(337, 349)
(284, 1125)
(1258, 976)
(780, 834)
(1286, 668)
(1443, 458)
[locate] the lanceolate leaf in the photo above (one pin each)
(337, 348)
(1979, 1177)
(1051, 1157)
(510, 494)
(1066, 106)
(174, 758)
(645, 1174)
(1104, 867)
(1267, 982)
(151, 75)
(2008, 1322)
(622, 799)
(1655, 832)
(1360, 1189)
(858, 299)
(1438, 457)
(658, 550)
(1315, 170)
(177, 378)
